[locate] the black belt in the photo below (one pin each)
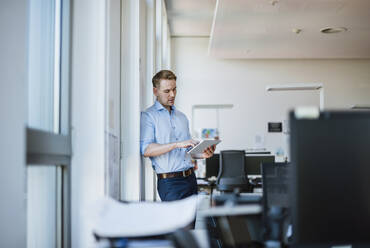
(184, 173)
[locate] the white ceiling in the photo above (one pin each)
(263, 28)
(190, 17)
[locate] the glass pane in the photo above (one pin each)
(43, 64)
(43, 214)
(43, 182)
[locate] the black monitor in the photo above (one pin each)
(275, 183)
(331, 179)
(253, 163)
(212, 165)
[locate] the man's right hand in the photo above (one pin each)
(187, 143)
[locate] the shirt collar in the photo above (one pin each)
(159, 106)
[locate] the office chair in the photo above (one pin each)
(212, 166)
(232, 175)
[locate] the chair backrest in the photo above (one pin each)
(212, 165)
(232, 172)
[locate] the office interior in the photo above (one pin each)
(75, 75)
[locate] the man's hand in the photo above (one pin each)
(187, 143)
(207, 153)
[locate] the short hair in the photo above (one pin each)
(163, 74)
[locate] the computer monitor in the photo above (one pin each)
(275, 183)
(212, 165)
(253, 163)
(330, 179)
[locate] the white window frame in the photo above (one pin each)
(54, 149)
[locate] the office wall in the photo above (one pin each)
(206, 80)
(13, 100)
(88, 114)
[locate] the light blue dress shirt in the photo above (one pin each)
(162, 127)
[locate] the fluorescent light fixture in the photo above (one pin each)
(293, 86)
(299, 86)
(212, 106)
(361, 106)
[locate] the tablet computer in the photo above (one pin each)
(202, 145)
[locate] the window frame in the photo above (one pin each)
(55, 149)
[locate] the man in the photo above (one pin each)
(165, 138)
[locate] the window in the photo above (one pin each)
(48, 138)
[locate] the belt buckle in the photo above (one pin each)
(184, 173)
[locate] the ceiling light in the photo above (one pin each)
(297, 86)
(212, 106)
(361, 106)
(330, 30)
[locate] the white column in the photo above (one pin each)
(130, 100)
(89, 56)
(13, 100)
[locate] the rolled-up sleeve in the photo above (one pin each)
(146, 131)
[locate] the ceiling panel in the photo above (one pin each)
(190, 17)
(267, 29)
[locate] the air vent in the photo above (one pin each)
(333, 30)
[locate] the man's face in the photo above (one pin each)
(166, 92)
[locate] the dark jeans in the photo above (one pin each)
(171, 189)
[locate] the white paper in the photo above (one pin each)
(116, 219)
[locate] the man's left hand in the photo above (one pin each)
(207, 153)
